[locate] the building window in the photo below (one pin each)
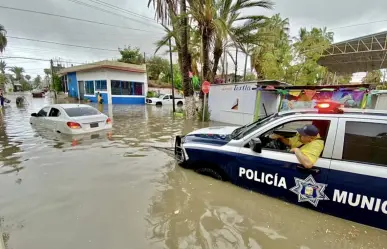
(89, 87)
(365, 142)
(127, 88)
(100, 85)
(137, 88)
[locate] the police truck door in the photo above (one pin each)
(277, 172)
(357, 184)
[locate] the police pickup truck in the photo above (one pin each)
(349, 180)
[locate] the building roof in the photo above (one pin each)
(114, 65)
(362, 54)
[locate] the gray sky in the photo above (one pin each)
(333, 14)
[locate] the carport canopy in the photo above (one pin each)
(361, 54)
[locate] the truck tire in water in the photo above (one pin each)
(159, 104)
(180, 103)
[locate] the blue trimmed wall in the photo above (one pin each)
(72, 85)
(129, 100)
(94, 98)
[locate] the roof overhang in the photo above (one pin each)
(361, 54)
(113, 65)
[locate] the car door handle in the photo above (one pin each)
(305, 170)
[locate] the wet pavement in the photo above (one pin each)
(119, 191)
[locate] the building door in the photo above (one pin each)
(81, 89)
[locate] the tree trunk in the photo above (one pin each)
(186, 63)
(206, 36)
(218, 51)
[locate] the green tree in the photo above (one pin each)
(26, 86)
(57, 85)
(373, 77)
(131, 55)
(3, 65)
(308, 48)
(344, 78)
(157, 65)
(18, 71)
(3, 80)
(3, 38)
(272, 56)
(37, 82)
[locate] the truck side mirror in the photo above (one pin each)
(256, 145)
(34, 114)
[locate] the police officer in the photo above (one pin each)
(307, 144)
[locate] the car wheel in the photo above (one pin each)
(211, 173)
(179, 103)
(159, 104)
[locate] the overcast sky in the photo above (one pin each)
(334, 14)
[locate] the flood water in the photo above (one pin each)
(118, 191)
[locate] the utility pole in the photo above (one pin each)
(144, 58)
(173, 84)
(52, 77)
(244, 73)
(236, 63)
(225, 58)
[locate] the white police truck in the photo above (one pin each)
(349, 180)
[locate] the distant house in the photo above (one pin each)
(119, 83)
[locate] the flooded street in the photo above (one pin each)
(121, 192)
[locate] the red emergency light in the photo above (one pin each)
(328, 106)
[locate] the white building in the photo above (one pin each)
(119, 83)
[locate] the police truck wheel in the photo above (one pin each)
(179, 103)
(210, 172)
(159, 104)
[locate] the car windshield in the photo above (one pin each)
(161, 96)
(247, 129)
(81, 111)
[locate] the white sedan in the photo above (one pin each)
(71, 119)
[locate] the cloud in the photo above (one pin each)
(301, 13)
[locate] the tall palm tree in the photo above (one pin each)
(2, 66)
(174, 13)
(18, 71)
(3, 38)
(275, 40)
(216, 21)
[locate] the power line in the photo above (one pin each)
(120, 9)
(358, 24)
(106, 11)
(76, 19)
(62, 44)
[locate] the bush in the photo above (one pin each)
(381, 87)
(150, 94)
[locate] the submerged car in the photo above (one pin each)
(165, 99)
(349, 180)
(71, 119)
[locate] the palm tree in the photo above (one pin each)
(28, 77)
(3, 38)
(216, 21)
(275, 41)
(18, 71)
(167, 13)
(2, 66)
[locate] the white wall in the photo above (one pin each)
(109, 74)
(223, 97)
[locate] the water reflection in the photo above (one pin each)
(192, 211)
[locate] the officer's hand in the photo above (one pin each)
(275, 136)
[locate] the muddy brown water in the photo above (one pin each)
(119, 192)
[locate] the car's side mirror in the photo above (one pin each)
(256, 145)
(34, 115)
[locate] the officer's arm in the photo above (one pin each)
(303, 159)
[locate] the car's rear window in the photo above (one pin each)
(81, 111)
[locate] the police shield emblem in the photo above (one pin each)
(309, 190)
